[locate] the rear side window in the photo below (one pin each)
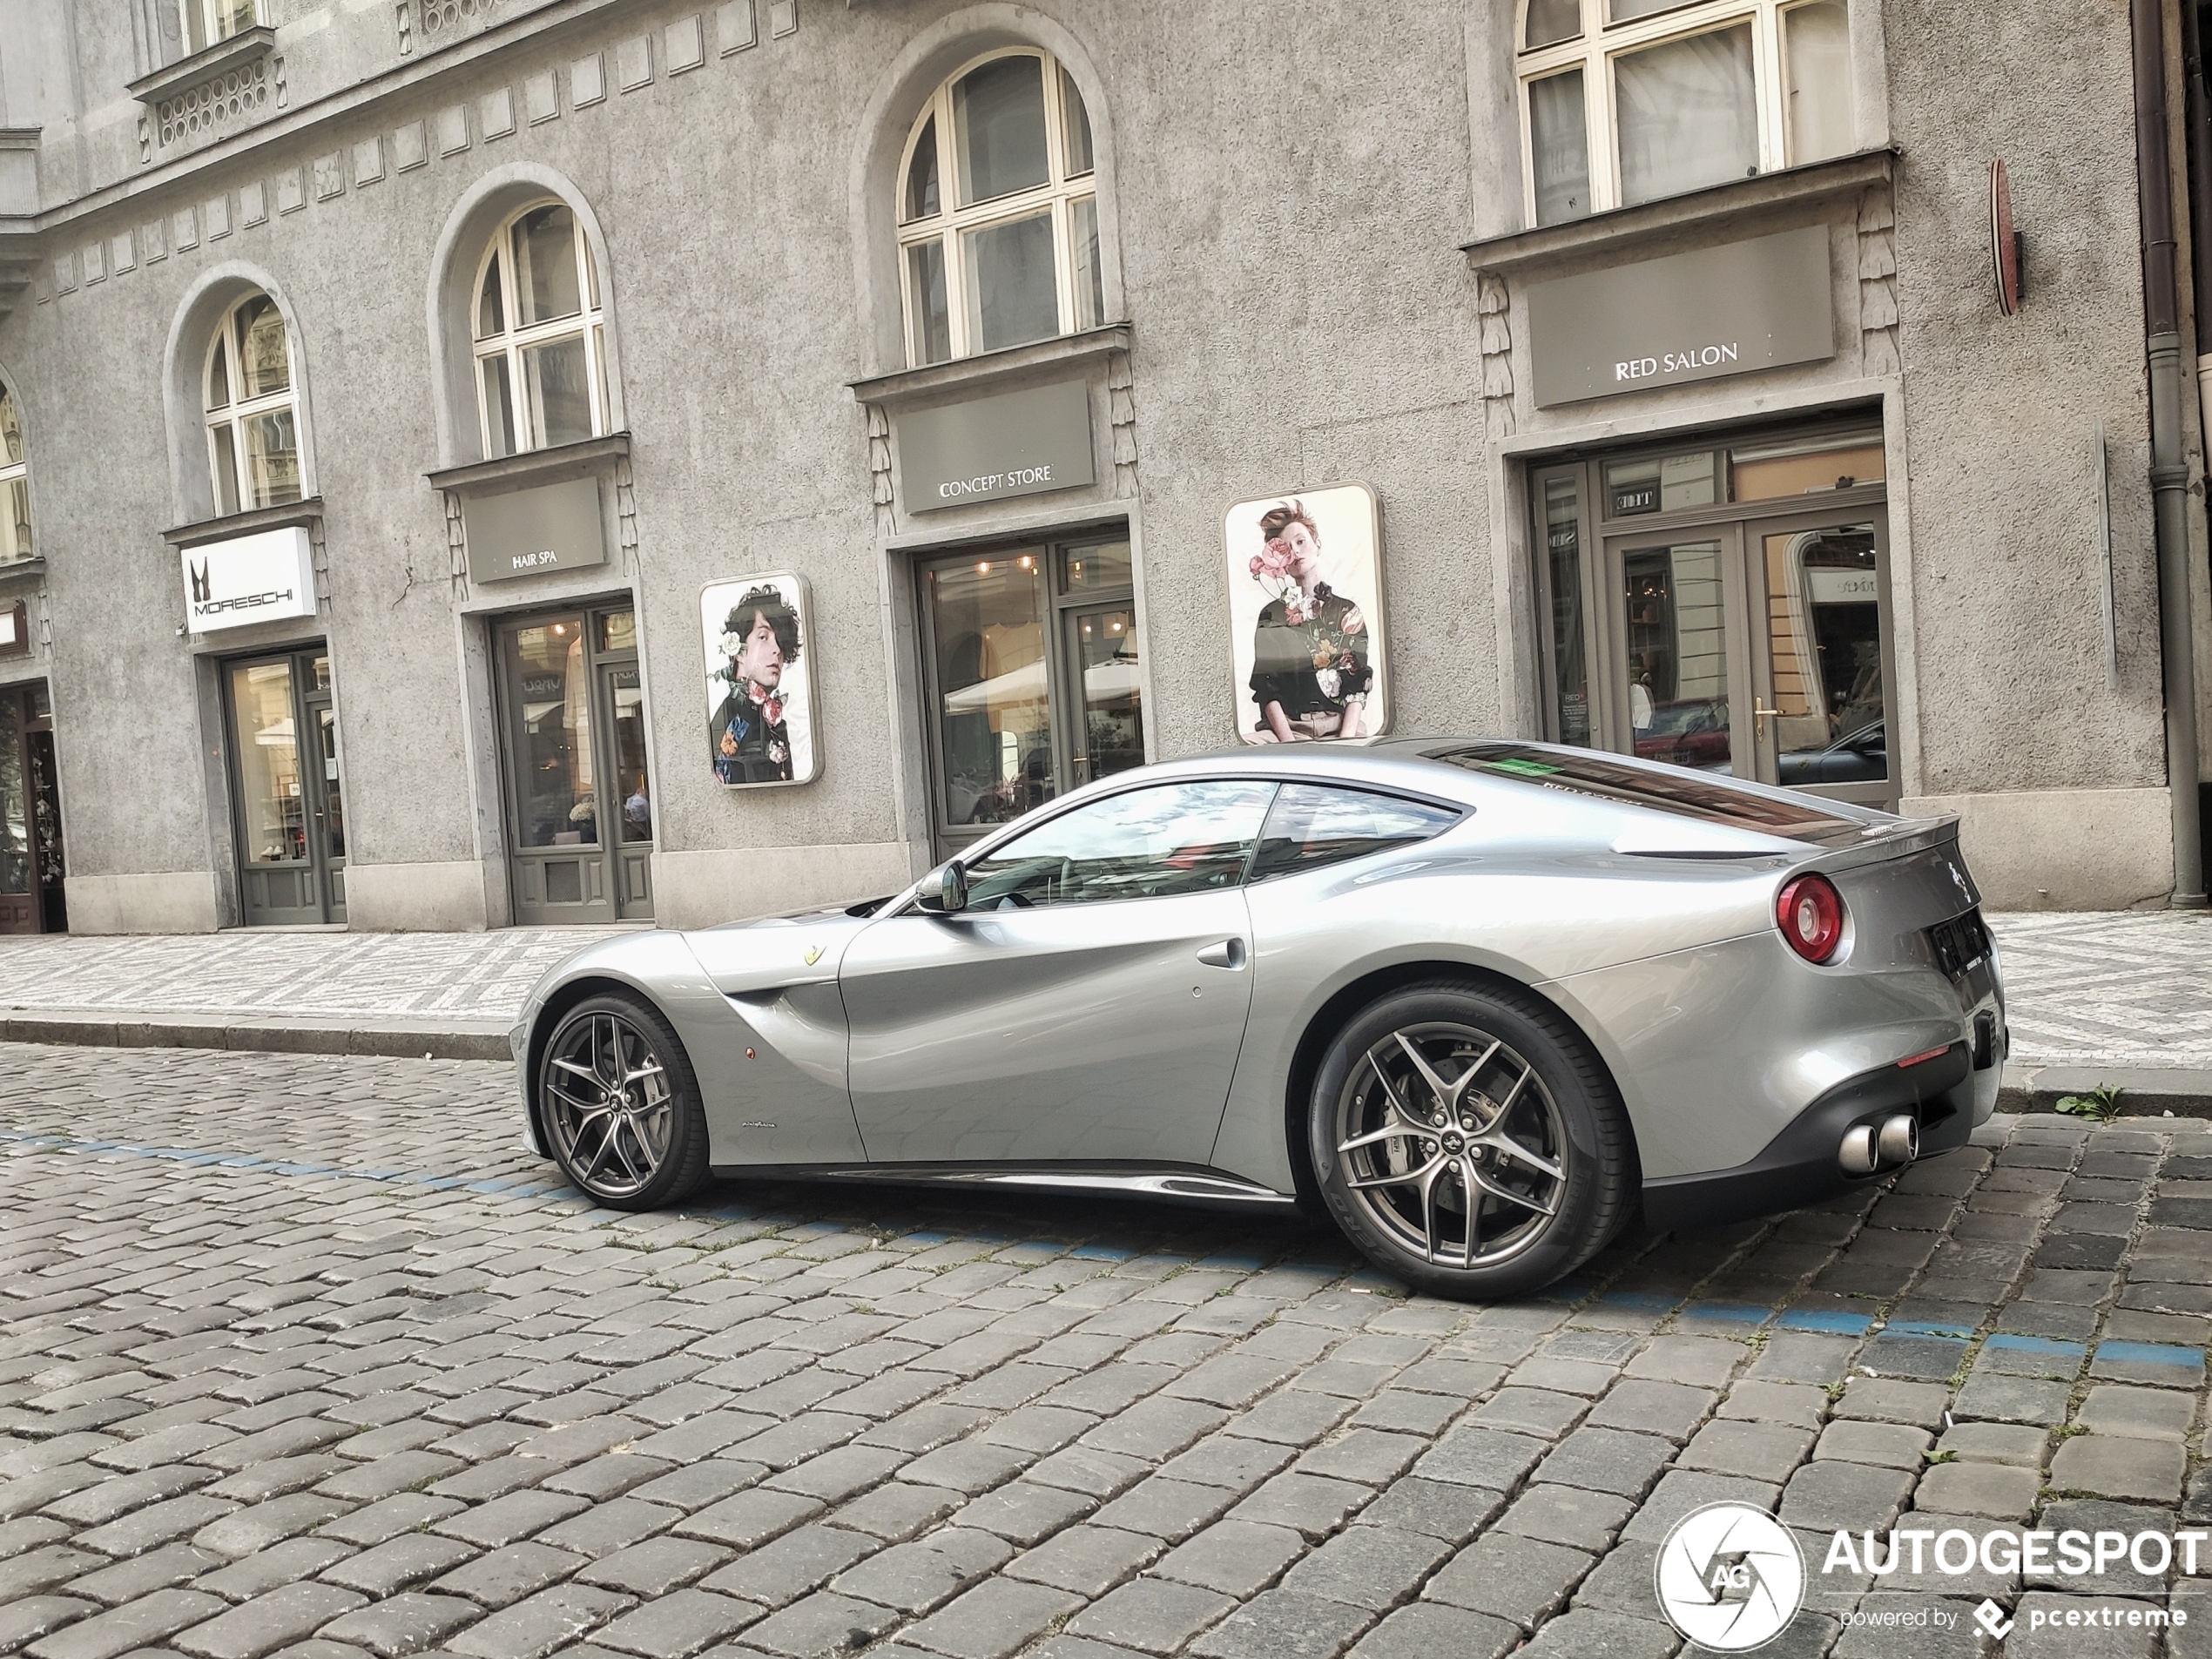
(1685, 795)
(1310, 826)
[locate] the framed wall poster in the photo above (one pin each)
(1307, 655)
(759, 684)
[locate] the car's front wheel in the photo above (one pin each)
(1466, 1140)
(620, 1104)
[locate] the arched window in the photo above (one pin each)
(15, 482)
(252, 410)
(209, 21)
(998, 212)
(540, 336)
(1627, 101)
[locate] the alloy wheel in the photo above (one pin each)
(1452, 1144)
(608, 1104)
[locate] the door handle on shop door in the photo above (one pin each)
(1229, 953)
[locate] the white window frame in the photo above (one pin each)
(589, 324)
(201, 19)
(1593, 52)
(951, 220)
(236, 410)
(16, 472)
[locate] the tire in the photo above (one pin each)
(650, 1150)
(1395, 1181)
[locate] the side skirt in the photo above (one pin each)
(1113, 1180)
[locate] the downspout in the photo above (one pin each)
(2169, 478)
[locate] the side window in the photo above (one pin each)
(1310, 826)
(1146, 844)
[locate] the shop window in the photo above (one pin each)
(540, 335)
(252, 410)
(998, 212)
(1036, 682)
(207, 22)
(1724, 609)
(1629, 101)
(15, 483)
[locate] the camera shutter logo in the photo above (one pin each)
(203, 588)
(1730, 1577)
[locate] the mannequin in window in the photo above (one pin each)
(1310, 669)
(752, 744)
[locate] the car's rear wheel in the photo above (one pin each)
(1467, 1140)
(620, 1104)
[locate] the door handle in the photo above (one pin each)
(1229, 953)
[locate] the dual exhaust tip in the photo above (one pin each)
(1870, 1148)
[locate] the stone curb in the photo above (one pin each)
(2145, 1091)
(391, 1039)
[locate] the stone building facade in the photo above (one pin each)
(420, 401)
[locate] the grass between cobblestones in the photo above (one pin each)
(311, 1357)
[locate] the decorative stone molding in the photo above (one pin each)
(433, 24)
(1878, 283)
(1121, 403)
(1494, 304)
(231, 83)
(625, 512)
(886, 517)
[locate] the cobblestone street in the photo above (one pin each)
(311, 1355)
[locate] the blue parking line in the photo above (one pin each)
(2049, 1347)
(1639, 1301)
(1928, 1328)
(1833, 1324)
(194, 1157)
(2151, 1353)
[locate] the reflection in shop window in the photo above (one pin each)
(557, 805)
(1627, 101)
(271, 804)
(15, 483)
(1010, 253)
(252, 410)
(1563, 555)
(540, 335)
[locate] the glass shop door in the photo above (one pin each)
(285, 782)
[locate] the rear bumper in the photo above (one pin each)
(1948, 1096)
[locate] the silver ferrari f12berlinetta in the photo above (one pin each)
(1483, 1003)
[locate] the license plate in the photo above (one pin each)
(1960, 948)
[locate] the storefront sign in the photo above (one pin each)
(1842, 587)
(262, 577)
(15, 630)
(1694, 316)
(1016, 443)
(527, 532)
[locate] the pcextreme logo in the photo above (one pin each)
(1730, 1577)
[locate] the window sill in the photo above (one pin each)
(591, 457)
(33, 568)
(308, 511)
(205, 65)
(989, 369)
(1628, 229)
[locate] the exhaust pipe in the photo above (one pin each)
(1870, 1147)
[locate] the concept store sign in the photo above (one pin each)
(260, 577)
(1730, 1577)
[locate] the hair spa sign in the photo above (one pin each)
(1693, 316)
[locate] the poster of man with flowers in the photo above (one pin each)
(1305, 614)
(760, 718)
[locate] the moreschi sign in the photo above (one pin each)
(1015, 443)
(260, 577)
(1693, 316)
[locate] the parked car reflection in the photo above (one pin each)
(1690, 732)
(1861, 757)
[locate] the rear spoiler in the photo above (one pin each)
(1884, 842)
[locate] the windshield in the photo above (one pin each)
(1684, 794)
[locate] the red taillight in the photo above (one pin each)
(1810, 912)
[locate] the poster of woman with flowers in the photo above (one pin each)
(760, 719)
(1305, 591)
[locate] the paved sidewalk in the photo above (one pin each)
(2116, 997)
(301, 1358)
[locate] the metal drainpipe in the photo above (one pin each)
(2169, 477)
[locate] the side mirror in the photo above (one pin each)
(950, 895)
